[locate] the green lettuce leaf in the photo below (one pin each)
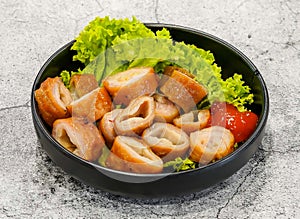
(237, 93)
(108, 46)
(101, 32)
(180, 164)
(66, 76)
(104, 155)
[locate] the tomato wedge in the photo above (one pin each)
(241, 124)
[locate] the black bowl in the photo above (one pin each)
(166, 184)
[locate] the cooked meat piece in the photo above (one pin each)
(132, 83)
(182, 90)
(193, 121)
(136, 117)
(52, 98)
(91, 106)
(211, 143)
(106, 125)
(166, 140)
(169, 70)
(81, 84)
(80, 137)
(132, 155)
(165, 110)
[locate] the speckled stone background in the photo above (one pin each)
(267, 31)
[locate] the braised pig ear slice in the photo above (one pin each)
(91, 106)
(165, 110)
(52, 98)
(80, 137)
(106, 125)
(130, 84)
(81, 84)
(182, 90)
(211, 143)
(168, 70)
(193, 121)
(136, 117)
(132, 155)
(166, 140)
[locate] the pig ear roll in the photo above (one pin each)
(211, 143)
(91, 106)
(165, 110)
(182, 89)
(80, 137)
(193, 121)
(130, 84)
(136, 117)
(81, 84)
(52, 98)
(132, 155)
(168, 70)
(106, 125)
(166, 140)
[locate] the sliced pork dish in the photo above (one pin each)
(144, 102)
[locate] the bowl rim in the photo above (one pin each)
(259, 128)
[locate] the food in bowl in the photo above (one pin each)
(156, 101)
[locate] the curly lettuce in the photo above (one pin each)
(107, 46)
(237, 93)
(180, 164)
(66, 76)
(100, 33)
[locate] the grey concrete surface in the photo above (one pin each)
(267, 31)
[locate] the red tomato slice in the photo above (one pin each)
(241, 124)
